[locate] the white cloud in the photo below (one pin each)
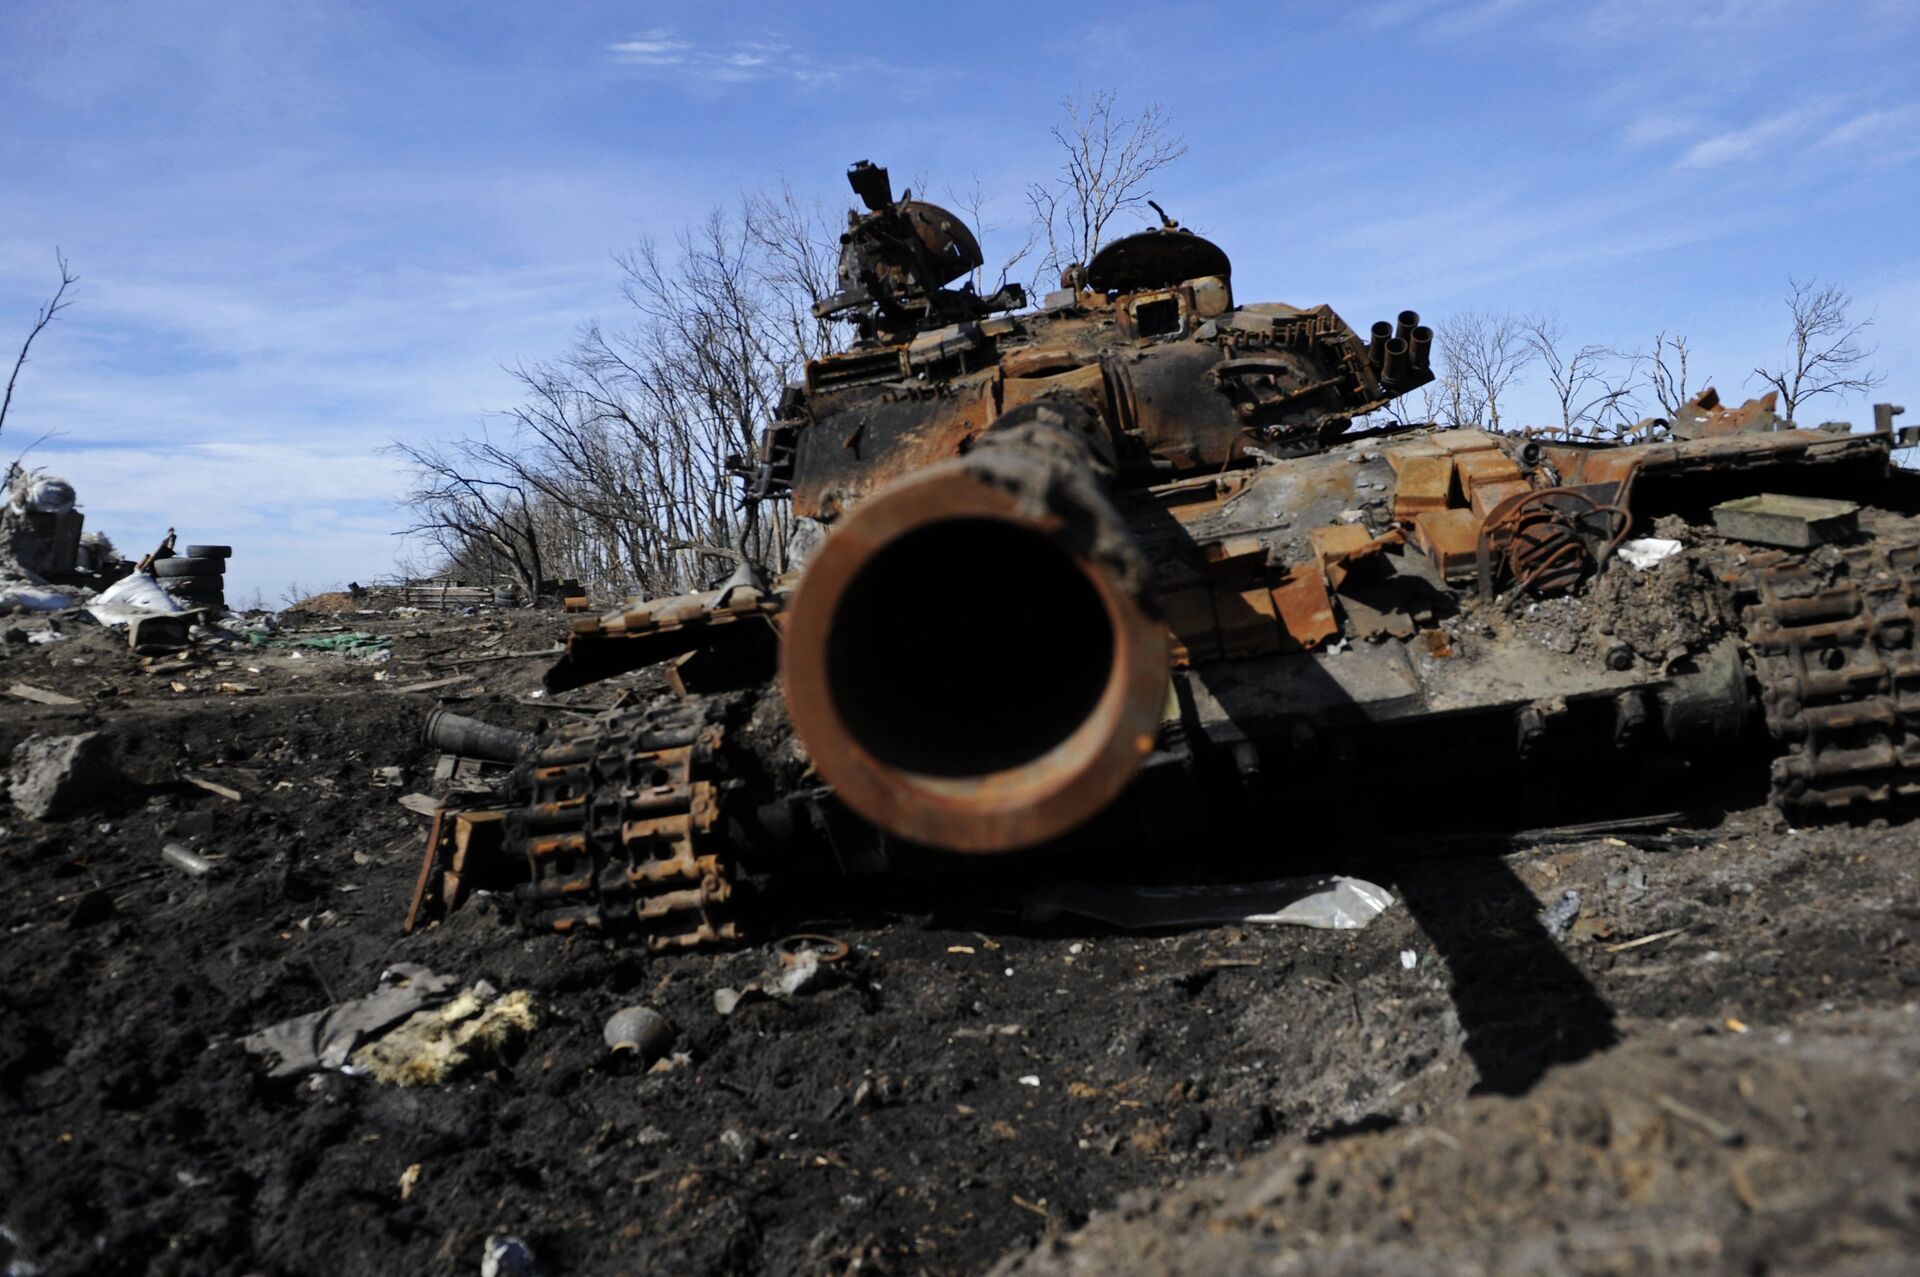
(1660, 126)
(1889, 131)
(651, 48)
(735, 62)
(1759, 138)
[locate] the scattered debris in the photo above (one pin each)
(131, 598)
(641, 1030)
(1645, 552)
(189, 861)
(434, 684)
(1329, 902)
(506, 1256)
(20, 597)
(40, 695)
(800, 962)
(326, 1039)
(159, 633)
(1558, 917)
(214, 787)
(56, 776)
(1655, 938)
(419, 804)
(479, 1028)
(740, 1147)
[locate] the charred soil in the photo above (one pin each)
(1706, 1062)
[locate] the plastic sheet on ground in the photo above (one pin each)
(1644, 552)
(130, 598)
(326, 1039)
(34, 598)
(1329, 902)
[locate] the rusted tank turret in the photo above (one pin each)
(1131, 562)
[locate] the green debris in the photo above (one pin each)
(352, 642)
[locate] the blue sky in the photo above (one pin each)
(306, 229)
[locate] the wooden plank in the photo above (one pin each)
(420, 804)
(427, 861)
(434, 684)
(227, 792)
(40, 695)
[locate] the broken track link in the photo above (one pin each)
(1835, 637)
(617, 831)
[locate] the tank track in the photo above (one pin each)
(1835, 640)
(617, 828)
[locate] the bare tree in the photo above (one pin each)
(1592, 385)
(471, 500)
(1110, 160)
(1667, 374)
(620, 464)
(1481, 352)
(1825, 356)
(972, 204)
(46, 315)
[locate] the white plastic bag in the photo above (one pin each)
(131, 597)
(1647, 551)
(1329, 902)
(34, 598)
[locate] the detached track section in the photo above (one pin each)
(617, 830)
(1835, 638)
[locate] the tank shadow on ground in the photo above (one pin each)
(1523, 1005)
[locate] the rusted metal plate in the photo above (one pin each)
(1456, 442)
(876, 434)
(1084, 384)
(1450, 538)
(1796, 523)
(1424, 483)
(1335, 545)
(1487, 495)
(1249, 622)
(1189, 614)
(1304, 608)
(1705, 417)
(1485, 466)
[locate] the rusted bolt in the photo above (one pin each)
(1619, 657)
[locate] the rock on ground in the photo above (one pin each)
(56, 776)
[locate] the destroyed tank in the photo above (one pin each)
(1121, 569)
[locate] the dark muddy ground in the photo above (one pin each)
(1713, 1070)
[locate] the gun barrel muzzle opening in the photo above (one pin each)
(964, 672)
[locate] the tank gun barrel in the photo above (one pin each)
(969, 659)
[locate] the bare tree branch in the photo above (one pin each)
(1481, 352)
(1108, 166)
(46, 315)
(1592, 385)
(1825, 357)
(1667, 374)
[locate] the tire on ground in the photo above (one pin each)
(193, 587)
(191, 565)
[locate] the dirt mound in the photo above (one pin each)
(331, 603)
(1790, 1151)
